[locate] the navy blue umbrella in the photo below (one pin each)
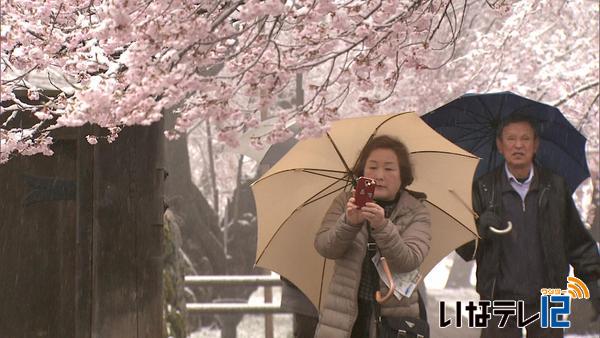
(471, 122)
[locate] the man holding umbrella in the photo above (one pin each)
(530, 231)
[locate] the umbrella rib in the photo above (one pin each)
(564, 150)
(308, 201)
(482, 142)
(442, 152)
(467, 138)
(322, 280)
(454, 218)
(339, 153)
(385, 121)
(325, 170)
(464, 126)
(476, 116)
(323, 175)
(299, 169)
(488, 110)
(492, 160)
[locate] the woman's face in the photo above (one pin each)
(382, 166)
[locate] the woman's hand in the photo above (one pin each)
(353, 214)
(374, 214)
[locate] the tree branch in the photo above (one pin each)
(575, 92)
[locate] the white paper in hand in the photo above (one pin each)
(405, 282)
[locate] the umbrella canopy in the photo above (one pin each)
(471, 122)
(293, 196)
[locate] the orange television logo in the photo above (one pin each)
(577, 288)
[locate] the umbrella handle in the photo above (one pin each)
(388, 274)
(507, 230)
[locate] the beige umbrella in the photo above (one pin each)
(293, 196)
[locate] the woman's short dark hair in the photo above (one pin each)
(395, 145)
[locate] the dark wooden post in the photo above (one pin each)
(84, 233)
(37, 244)
(127, 231)
(80, 238)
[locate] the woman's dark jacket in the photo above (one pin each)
(563, 237)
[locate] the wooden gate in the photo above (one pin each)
(80, 238)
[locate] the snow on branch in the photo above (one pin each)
(122, 63)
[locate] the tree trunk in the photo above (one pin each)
(200, 229)
(211, 165)
(202, 239)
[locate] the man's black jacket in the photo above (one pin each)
(563, 237)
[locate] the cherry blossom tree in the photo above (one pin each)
(116, 63)
(124, 63)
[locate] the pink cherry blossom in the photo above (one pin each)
(91, 139)
(118, 64)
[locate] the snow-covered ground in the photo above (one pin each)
(253, 326)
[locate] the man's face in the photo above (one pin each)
(518, 144)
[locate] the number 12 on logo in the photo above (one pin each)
(551, 314)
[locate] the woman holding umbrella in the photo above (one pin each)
(396, 224)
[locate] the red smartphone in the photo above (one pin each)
(364, 191)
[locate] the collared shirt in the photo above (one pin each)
(520, 188)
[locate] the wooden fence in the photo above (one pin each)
(231, 307)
